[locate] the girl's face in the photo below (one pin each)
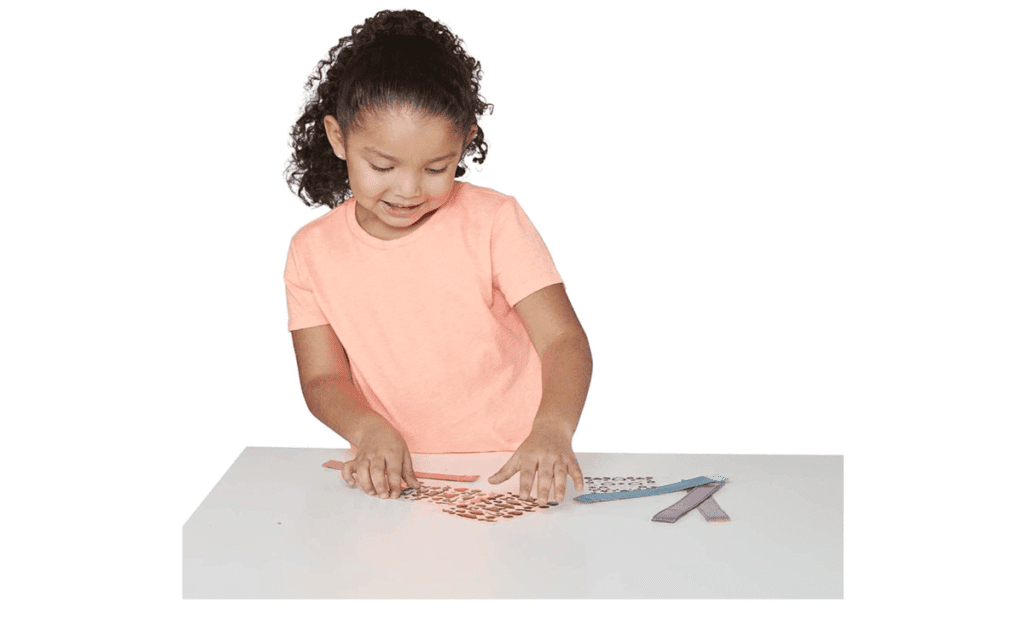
(401, 166)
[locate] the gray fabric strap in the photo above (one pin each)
(712, 512)
(689, 502)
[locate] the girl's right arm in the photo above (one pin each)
(326, 380)
(332, 397)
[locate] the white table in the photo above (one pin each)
(279, 525)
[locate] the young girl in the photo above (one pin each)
(427, 314)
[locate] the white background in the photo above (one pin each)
(787, 228)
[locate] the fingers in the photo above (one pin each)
(363, 477)
(545, 480)
(577, 475)
(346, 473)
(394, 480)
(561, 471)
(380, 465)
(526, 475)
(380, 481)
(408, 473)
(397, 472)
(550, 476)
(507, 470)
(371, 477)
(378, 477)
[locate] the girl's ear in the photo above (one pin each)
(334, 136)
(472, 136)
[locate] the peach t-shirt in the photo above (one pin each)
(427, 319)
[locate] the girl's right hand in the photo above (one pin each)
(382, 461)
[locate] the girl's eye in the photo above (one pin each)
(388, 169)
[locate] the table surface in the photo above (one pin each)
(280, 525)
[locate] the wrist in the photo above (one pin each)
(366, 426)
(553, 425)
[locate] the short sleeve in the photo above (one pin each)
(520, 261)
(303, 310)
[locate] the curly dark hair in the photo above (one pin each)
(394, 58)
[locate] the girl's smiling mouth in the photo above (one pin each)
(399, 209)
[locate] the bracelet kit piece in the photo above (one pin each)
(709, 508)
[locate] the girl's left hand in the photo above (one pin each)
(547, 457)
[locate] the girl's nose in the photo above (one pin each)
(409, 186)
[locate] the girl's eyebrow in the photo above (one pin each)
(391, 158)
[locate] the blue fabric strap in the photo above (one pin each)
(589, 498)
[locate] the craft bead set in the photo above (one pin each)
(492, 507)
(474, 503)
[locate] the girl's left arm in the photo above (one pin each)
(546, 455)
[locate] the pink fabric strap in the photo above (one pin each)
(452, 477)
